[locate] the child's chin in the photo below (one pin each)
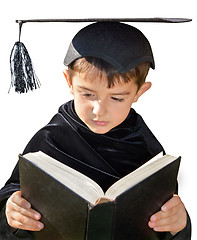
(99, 130)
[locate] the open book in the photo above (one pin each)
(47, 183)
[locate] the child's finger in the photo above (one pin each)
(173, 202)
(162, 220)
(26, 212)
(165, 228)
(19, 200)
(22, 222)
(162, 215)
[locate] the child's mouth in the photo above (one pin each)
(100, 123)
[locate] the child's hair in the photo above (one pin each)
(97, 68)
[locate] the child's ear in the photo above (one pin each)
(66, 75)
(145, 87)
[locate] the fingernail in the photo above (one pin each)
(163, 208)
(40, 225)
(27, 205)
(151, 224)
(153, 218)
(37, 215)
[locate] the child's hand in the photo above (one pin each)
(20, 215)
(172, 217)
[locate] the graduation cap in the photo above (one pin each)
(115, 42)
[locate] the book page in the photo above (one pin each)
(138, 175)
(74, 180)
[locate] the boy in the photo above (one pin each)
(98, 133)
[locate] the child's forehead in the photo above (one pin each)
(88, 80)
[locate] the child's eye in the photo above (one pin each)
(87, 95)
(117, 99)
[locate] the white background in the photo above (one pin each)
(169, 108)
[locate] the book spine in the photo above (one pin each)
(100, 222)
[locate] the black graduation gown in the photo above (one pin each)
(103, 157)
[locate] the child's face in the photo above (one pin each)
(99, 107)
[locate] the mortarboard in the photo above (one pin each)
(121, 45)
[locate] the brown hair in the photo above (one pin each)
(93, 66)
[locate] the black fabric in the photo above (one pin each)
(119, 44)
(103, 157)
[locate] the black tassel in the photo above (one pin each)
(23, 77)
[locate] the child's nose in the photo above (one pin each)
(99, 108)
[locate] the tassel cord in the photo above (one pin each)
(20, 28)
